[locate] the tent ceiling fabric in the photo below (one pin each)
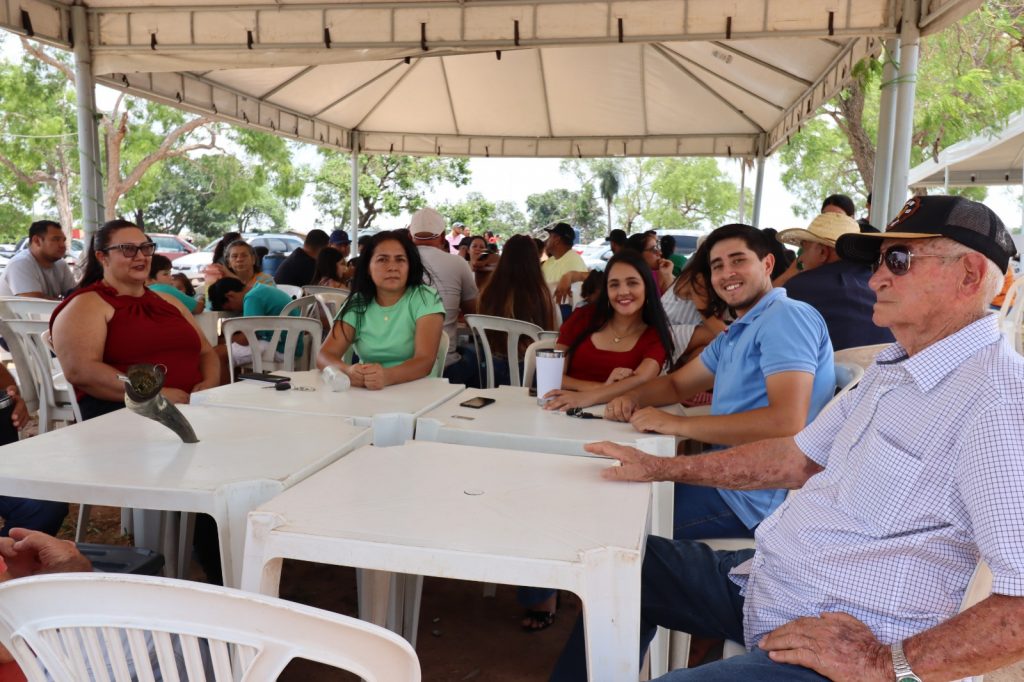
(550, 78)
(995, 159)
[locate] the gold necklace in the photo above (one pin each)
(616, 337)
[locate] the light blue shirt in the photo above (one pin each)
(776, 335)
(923, 475)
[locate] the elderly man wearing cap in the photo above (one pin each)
(340, 241)
(905, 484)
(563, 265)
(454, 281)
(836, 288)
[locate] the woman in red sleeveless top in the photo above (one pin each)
(113, 321)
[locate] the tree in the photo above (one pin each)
(479, 214)
(971, 79)
(692, 192)
(578, 208)
(607, 177)
(389, 184)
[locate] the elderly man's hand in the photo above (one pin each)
(835, 645)
(29, 552)
(635, 465)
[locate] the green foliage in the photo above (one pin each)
(690, 193)
(818, 162)
(388, 185)
(578, 208)
(479, 215)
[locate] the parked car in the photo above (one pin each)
(596, 254)
(172, 246)
(75, 247)
(686, 240)
(193, 264)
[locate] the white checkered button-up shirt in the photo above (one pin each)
(924, 473)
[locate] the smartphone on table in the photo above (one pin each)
(477, 403)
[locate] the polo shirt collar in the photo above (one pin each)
(935, 362)
(759, 307)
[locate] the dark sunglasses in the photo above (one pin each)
(897, 259)
(129, 250)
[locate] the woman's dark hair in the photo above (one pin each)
(842, 202)
(783, 256)
(696, 273)
(363, 289)
(222, 246)
(327, 265)
(252, 252)
(636, 242)
(260, 251)
(158, 263)
(217, 293)
(592, 284)
(516, 288)
(652, 313)
(189, 289)
(100, 241)
(469, 243)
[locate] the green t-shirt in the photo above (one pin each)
(388, 335)
(186, 300)
(263, 299)
(678, 261)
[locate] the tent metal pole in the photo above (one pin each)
(886, 122)
(758, 192)
(91, 192)
(354, 196)
(910, 39)
(743, 189)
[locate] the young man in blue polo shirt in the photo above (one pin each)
(772, 371)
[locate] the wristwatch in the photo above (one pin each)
(900, 665)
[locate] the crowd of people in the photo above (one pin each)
(905, 483)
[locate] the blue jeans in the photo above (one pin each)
(41, 515)
(466, 370)
(685, 586)
(701, 513)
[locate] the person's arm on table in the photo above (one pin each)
(688, 380)
(772, 463)
(789, 399)
(334, 348)
(79, 337)
(428, 336)
(602, 393)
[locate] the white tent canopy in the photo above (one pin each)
(553, 78)
(987, 159)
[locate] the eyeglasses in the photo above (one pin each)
(129, 250)
(897, 259)
(653, 249)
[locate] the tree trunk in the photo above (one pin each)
(608, 203)
(851, 123)
(140, 219)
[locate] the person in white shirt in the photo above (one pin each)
(40, 271)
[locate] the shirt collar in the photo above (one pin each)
(930, 366)
(759, 307)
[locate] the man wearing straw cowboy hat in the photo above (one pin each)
(836, 288)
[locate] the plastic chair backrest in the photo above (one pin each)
(33, 337)
(331, 302)
(21, 308)
(860, 355)
(306, 305)
(442, 355)
(530, 359)
(513, 329)
(290, 289)
(25, 367)
(82, 626)
(295, 326)
(313, 290)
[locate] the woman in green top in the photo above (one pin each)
(160, 281)
(392, 319)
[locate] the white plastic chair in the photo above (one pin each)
(74, 627)
(848, 375)
(265, 361)
(56, 398)
(330, 303)
(530, 358)
(24, 308)
(290, 289)
(513, 329)
(306, 305)
(860, 355)
(313, 290)
(1011, 315)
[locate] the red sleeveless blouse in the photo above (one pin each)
(147, 329)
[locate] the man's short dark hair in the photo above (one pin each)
(668, 245)
(841, 201)
(40, 227)
(218, 292)
(316, 239)
(617, 237)
(157, 263)
(751, 236)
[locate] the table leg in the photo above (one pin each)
(259, 573)
(611, 616)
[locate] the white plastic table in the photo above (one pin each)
(242, 459)
(470, 513)
(391, 411)
(515, 420)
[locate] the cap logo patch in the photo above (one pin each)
(909, 209)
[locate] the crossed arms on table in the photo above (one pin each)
(987, 636)
(789, 399)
